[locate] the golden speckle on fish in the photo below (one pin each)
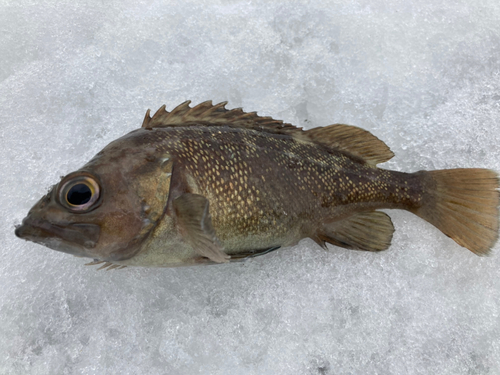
(207, 185)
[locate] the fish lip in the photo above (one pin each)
(42, 231)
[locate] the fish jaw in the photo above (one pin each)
(72, 238)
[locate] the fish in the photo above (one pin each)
(209, 185)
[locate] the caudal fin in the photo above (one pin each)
(463, 204)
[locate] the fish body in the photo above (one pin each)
(209, 185)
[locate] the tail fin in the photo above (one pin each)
(463, 204)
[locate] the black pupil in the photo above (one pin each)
(79, 194)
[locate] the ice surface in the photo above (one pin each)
(424, 76)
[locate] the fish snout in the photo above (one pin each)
(20, 231)
(70, 237)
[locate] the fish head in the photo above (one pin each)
(106, 209)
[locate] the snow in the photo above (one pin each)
(424, 76)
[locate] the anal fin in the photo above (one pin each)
(370, 231)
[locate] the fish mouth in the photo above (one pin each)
(71, 238)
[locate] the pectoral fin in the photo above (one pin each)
(195, 225)
(371, 231)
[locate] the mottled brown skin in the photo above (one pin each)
(272, 190)
(202, 185)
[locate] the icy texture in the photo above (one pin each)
(424, 76)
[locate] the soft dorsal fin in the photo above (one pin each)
(353, 140)
(206, 112)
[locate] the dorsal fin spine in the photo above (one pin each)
(199, 109)
(146, 120)
(209, 112)
(182, 108)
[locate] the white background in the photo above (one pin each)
(421, 75)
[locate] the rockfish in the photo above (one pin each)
(208, 185)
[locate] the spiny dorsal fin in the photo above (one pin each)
(351, 139)
(354, 140)
(217, 114)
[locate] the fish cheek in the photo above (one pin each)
(120, 235)
(133, 203)
(126, 225)
(119, 218)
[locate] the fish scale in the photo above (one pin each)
(208, 185)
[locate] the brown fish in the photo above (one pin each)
(206, 184)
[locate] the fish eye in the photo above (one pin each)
(79, 193)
